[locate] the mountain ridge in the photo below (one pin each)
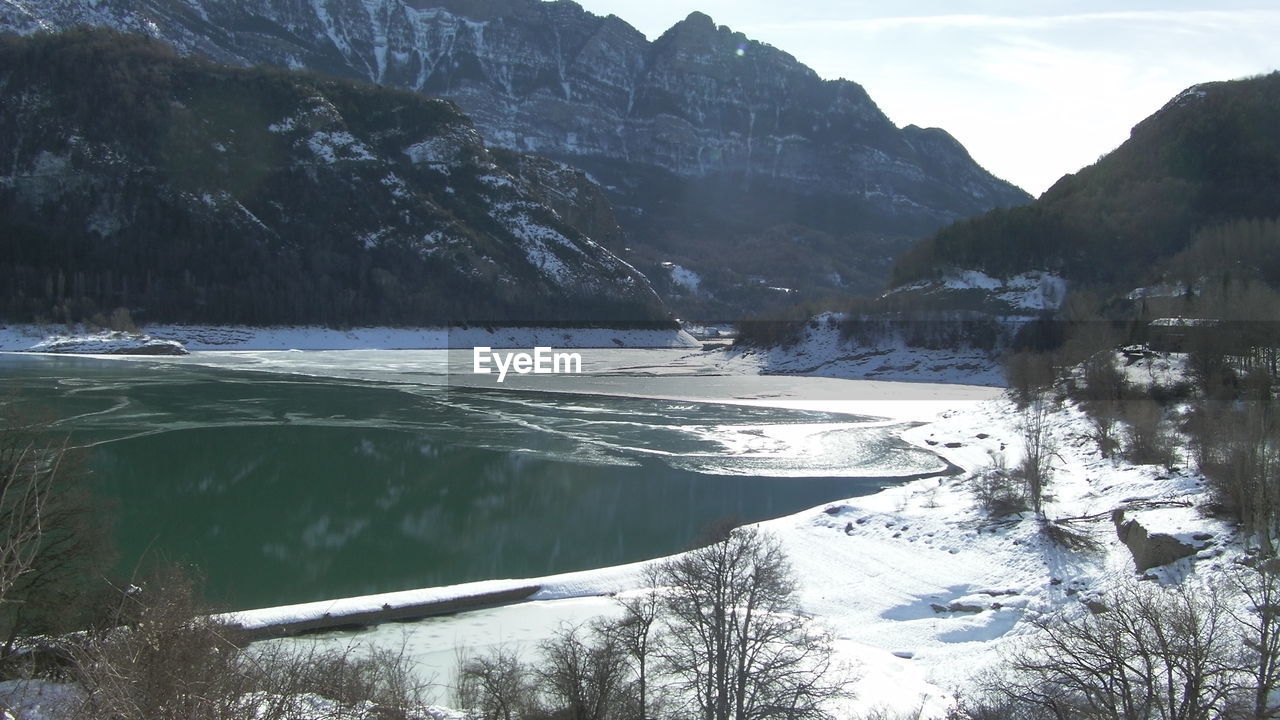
(652, 120)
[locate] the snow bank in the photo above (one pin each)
(583, 583)
(31, 338)
(98, 343)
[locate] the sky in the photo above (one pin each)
(1033, 89)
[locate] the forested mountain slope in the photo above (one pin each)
(186, 191)
(1208, 158)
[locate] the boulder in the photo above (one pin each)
(1149, 549)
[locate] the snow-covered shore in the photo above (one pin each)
(821, 352)
(920, 587)
(34, 338)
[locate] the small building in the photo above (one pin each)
(1179, 334)
(1242, 339)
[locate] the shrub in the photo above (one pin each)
(1148, 439)
(998, 493)
(162, 658)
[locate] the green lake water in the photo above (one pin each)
(289, 477)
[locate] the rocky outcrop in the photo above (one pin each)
(1149, 550)
(567, 190)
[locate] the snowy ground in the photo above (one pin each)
(822, 352)
(33, 338)
(919, 586)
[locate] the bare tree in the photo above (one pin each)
(1148, 440)
(495, 686)
(1237, 446)
(52, 538)
(734, 645)
(1103, 393)
(1038, 449)
(1166, 654)
(583, 672)
(1259, 587)
(1104, 419)
(636, 635)
(1029, 375)
(24, 496)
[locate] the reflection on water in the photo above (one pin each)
(287, 487)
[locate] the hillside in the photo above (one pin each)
(184, 191)
(724, 157)
(1209, 157)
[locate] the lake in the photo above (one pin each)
(288, 477)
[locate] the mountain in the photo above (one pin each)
(133, 178)
(1204, 165)
(737, 174)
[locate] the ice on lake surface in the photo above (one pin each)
(294, 476)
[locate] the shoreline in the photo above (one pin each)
(57, 340)
(372, 610)
(892, 401)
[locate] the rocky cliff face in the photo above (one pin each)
(194, 192)
(698, 103)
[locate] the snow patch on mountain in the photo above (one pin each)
(332, 146)
(683, 277)
(1032, 291)
(434, 151)
(1163, 290)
